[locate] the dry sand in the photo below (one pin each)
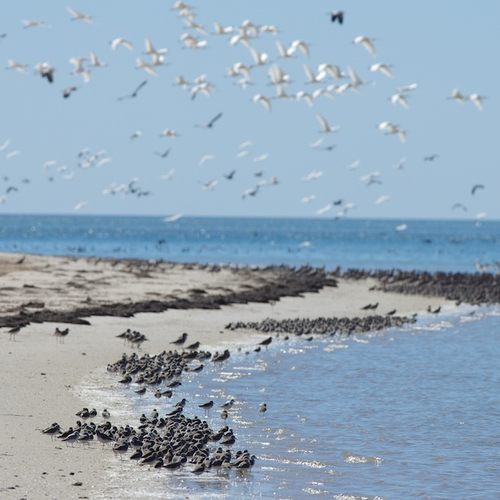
(40, 376)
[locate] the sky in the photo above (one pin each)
(450, 147)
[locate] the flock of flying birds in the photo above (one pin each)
(325, 81)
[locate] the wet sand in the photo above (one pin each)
(40, 374)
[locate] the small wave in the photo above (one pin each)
(351, 458)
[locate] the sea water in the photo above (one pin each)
(361, 243)
(403, 413)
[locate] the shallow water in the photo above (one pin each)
(404, 413)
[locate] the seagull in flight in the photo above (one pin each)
(459, 205)
(431, 157)
(230, 175)
(163, 155)
(476, 187)
(67, 91)
(134, 93)
(367, 43)
(78, 16)
(210, 124)
(324, 124)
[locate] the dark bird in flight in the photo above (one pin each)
(210, 124)
(459, 205)
(337, 15)
(11, 188)
(230, 175)
(338, 202)
(67, 91)
(134, 93)
(165, 154)
(431, 157)
(476, 187)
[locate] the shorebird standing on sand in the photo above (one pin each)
(60, 334)
(180, 341)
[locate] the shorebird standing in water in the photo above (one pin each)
(228, 404)
(266, 342)
(207, 406)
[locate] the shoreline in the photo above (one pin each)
(42, 377)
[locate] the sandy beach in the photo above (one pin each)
(41, 376)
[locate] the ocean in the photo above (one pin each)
(405, 413)
(363, 243)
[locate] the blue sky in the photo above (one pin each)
(438, 45)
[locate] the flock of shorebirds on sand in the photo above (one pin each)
(170, 441)
(317, 86)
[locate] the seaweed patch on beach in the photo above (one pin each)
(475, 289)
(74, 289)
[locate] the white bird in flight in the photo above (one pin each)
(324, 124)
(408, 88)
(80, 205)
(325, 209)
(115, 43)
(210, 185)
(219, 30)
(457, 96)
(367, 43)
(78, 16)
(168, 132)
(383, 68)
(308, 199)
(259, 58)
(15, 65)
(299, 44)
(206, 158)
(477, 100)
(315, 174)
(382, 199)
(168, 175)
(94, 61)
(151, 50)
(264, 100)
(399, 99)
(35, 24)
(145, 66)
(312, 78)
(172, 218)
(284, 52)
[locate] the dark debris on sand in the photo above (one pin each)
(469, 288)
(287, 282)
